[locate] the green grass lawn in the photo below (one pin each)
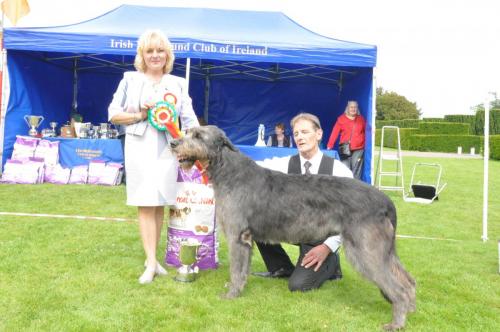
(81, 275)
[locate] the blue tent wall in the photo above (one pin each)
(29, 83)
(239, 106)
(40, 64)
(360, 88)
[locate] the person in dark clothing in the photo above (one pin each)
(279, 139)
(317, 262)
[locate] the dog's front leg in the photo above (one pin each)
(240, 251)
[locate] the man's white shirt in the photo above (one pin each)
(280, 164)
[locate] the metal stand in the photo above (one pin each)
(391, 158)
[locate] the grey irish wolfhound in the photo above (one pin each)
(257, 204)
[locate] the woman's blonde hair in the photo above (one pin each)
(148, 39)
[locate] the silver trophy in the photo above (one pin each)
(189, 254)
(53, 126)
(33, 121)
(104, 130)
(261, 135)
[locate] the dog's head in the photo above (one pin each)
(200, 143)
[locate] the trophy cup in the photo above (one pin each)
(53, 125)
(188, 256)
(33, 121)
(260, 136)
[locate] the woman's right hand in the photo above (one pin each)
(147, 105)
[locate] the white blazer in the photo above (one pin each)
(128, 95)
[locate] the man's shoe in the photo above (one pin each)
(279, 273)
(337, 274)
(335, 277)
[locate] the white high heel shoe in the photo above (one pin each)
(147, 276)
(159, 270)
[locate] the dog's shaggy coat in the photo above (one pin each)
(257, 204)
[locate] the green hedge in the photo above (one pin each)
(410, 123)
(413, 141)
(391, 140)
(444, 143)
(443, 128)
(460, 118)
(495, 147)
(433, 119)
(494, 123)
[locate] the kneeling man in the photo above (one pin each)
(317, 262)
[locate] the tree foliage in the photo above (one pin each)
(391, 106)
(494, 105)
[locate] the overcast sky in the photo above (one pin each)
(442, 54)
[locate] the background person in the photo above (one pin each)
(351, 127)
(317, 262)
(279, 139)
(151, 167)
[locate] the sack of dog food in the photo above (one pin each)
(57, 174)
(29, 171)
(193, 220)
(79, 174)
(48, 151)
(24, 147)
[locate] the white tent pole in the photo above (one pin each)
(374, 114)
(188, 70)
(3, 103)
(485, 170)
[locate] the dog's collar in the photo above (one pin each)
(204, 165)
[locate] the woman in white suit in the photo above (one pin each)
(151, 167)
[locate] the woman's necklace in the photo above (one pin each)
(155, 82)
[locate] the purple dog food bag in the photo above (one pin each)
(24, 147)
(48, 151)
(96, 170)
(193, 219)
(79, 174)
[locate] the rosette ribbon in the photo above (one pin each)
(164, 117)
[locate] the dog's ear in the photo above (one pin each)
(229, 144)
(223, 141)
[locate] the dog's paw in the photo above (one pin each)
(393, 326)
(231, 294)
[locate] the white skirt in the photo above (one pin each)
(151, 169)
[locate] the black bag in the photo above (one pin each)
(344, 150)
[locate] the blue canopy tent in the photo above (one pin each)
(244, 67)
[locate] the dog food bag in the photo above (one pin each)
(57, 174)
(110, 174)
(38, 164)
(24, 147)
(13, 171)
(49, 151)
(79, 174)
(23, 171)
(193, 219)
(96, 170)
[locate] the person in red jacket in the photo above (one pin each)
(351, 127)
